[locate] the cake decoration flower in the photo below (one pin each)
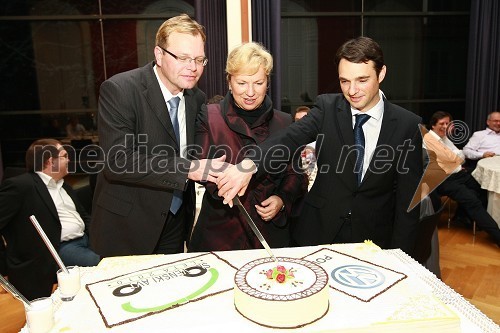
(369, 245)
(280, 274)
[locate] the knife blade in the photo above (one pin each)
(13, 291)
(251, 223)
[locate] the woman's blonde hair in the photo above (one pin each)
(181, 24)
(247, 59)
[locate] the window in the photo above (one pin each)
(424, 44)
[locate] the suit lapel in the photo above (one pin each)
(236, 123)
(191, 110)
(155, 99)
(346, 141)
(42, 190)
(389, 123)
(259, 130)
(344, 116)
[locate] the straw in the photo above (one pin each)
(48, 243)
(11, 289)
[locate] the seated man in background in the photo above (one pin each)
(459, 185)
(485, 143)
(42, 192)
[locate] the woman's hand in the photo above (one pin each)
(270, 207)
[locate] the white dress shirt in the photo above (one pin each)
(371, 129)
(181, 112)
(72, 225)
(481, 142)
(450, 146)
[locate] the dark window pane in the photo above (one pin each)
(425, 57)
(401, 39)
(118, 7)
(135, 50)
(447, 5)
(321, 5)
(42, 7)
(308, 52)
(393, 6)
(18, 87)
(426, 108)
(50, 65)
(445, 57)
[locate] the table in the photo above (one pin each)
(69, 315)
(84, 138)
(487, 173)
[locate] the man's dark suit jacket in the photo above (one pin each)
(133, 193)
(30, 266)
(378, 207)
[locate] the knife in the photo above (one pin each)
(13, 291)
(251, 223)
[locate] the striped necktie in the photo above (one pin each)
(174, 106)
(359, 144)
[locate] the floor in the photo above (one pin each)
(471, 266)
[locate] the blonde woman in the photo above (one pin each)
(243, 119)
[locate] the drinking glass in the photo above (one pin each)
(69, 283)
(40, 315)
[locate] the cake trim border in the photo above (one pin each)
(241, 276)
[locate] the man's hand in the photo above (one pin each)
(488, 154)
(234, 180)
(207, 170)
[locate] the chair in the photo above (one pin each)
(470, 165)
(12, 172)
(426, 250)
(448, 200)
(84, 195)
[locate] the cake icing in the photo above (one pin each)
(293, 294)
(369, 289)
(152, 290)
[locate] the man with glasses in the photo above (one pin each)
(144, 200)
(485, 143)
(43, 193)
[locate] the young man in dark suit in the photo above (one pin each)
(144, 200)
(43, 193)
(362, 189)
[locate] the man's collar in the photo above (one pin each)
(48, 180)
(166, 93)
(490, 131)
(436, 135)
(376, 111)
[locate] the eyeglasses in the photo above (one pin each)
(200, 61)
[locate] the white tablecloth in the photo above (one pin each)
(487, 173)
(471, 319)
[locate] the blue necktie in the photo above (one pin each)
(359, 144)
(174, 105)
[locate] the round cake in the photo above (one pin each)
(291, 294)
